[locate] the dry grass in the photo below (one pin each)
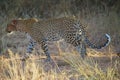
(73, 68)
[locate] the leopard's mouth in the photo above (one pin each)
(9, 31)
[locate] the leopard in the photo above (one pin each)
(69, 29)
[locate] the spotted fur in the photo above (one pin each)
(67, 28)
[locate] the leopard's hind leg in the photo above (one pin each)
(78, 42)
(81, 48)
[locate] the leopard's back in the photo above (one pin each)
(53, 29)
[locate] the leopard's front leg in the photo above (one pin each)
(44, 46)
(31, 44)
(30, 47)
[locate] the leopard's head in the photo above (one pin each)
(11, 26)
(20, 24)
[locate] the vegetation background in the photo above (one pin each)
(99, 16)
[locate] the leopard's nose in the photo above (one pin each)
(8, 31)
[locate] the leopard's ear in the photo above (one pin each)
(33, 20)
(14, 22)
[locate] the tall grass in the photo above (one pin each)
(98, 15)
(13, 68)
(90, 69)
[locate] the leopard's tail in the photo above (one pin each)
(100, 46)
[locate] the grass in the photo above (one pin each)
(91, 70)
(74, 68)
